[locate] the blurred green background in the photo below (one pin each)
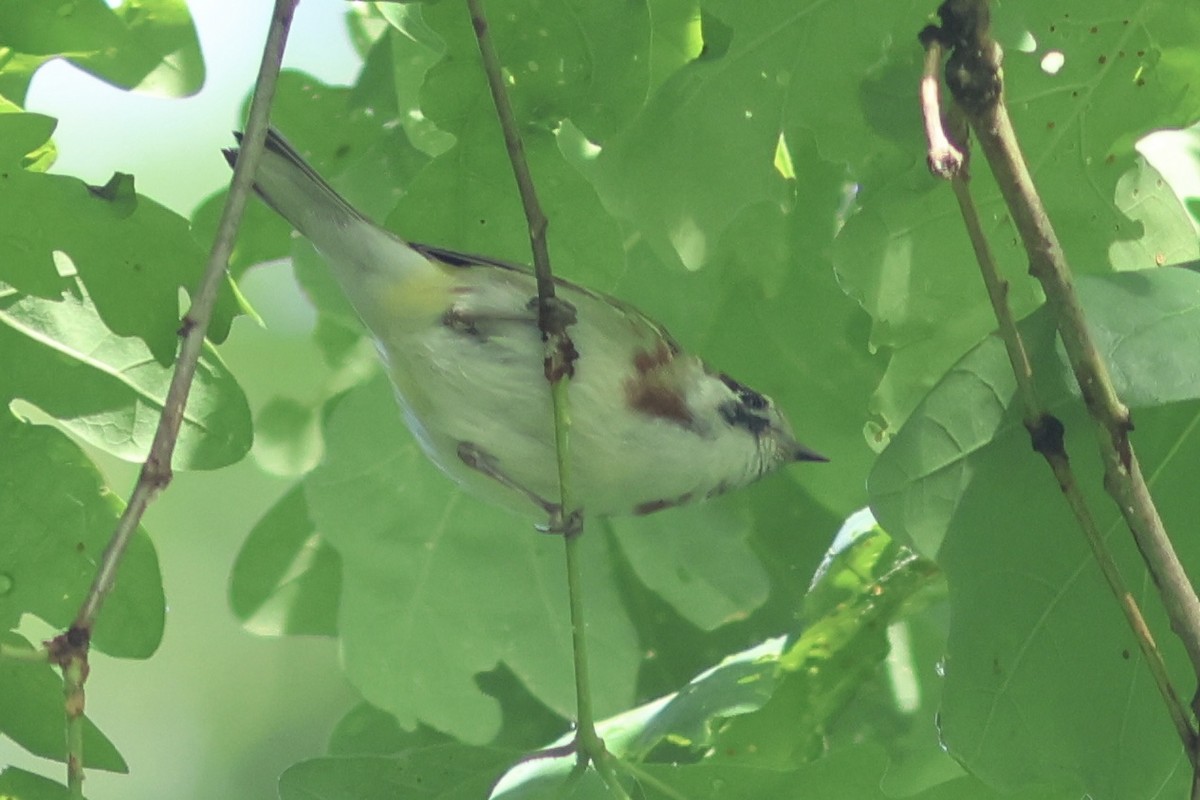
(280, 696)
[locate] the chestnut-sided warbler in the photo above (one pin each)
(651, 426)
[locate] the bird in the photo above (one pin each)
(651, 426)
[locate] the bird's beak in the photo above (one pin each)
(802, 453)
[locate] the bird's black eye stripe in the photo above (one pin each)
(750, 398)
(739, 415)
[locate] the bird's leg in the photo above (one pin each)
(485, 463)
(570, 525)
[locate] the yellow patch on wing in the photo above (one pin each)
(423, 296)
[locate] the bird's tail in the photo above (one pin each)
(288, 184)
(360, 252)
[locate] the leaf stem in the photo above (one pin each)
(974, 76)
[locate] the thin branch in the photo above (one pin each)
(12, 653)
(156, 472)
(944, 159)
(974, 75)
(75, 672)
(70, 649)
(1046, 433)
(554, 316)
(548, 320)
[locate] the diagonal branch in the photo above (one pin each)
(156, 472)
(70, 649)
(975, 78)
(1045, 430)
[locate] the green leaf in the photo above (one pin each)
(54, 540)
(765, 308)
(445, 772)
(133, 254)
(848, 773)
(575, 60)
(757, 705)
(109, 390)
(26, 134)
(438, 587)
(287, 439)
(286, 580)
(18, 784)
(262, 236)
(1147, 328)
(366, 730)
(699, 561)
(1031, 613)
(1140, 196)
(853, 773)
(859, 591)
(704, 147)
(395, 70)
(147, 45)
(466, 199)
(32, 714)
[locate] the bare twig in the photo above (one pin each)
(70, 649)
(156, 472)
(1046, 434)
(973, 73)
(944, 159)
(12, 653)
(75, 672)
(554, 316)
(551, 319)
